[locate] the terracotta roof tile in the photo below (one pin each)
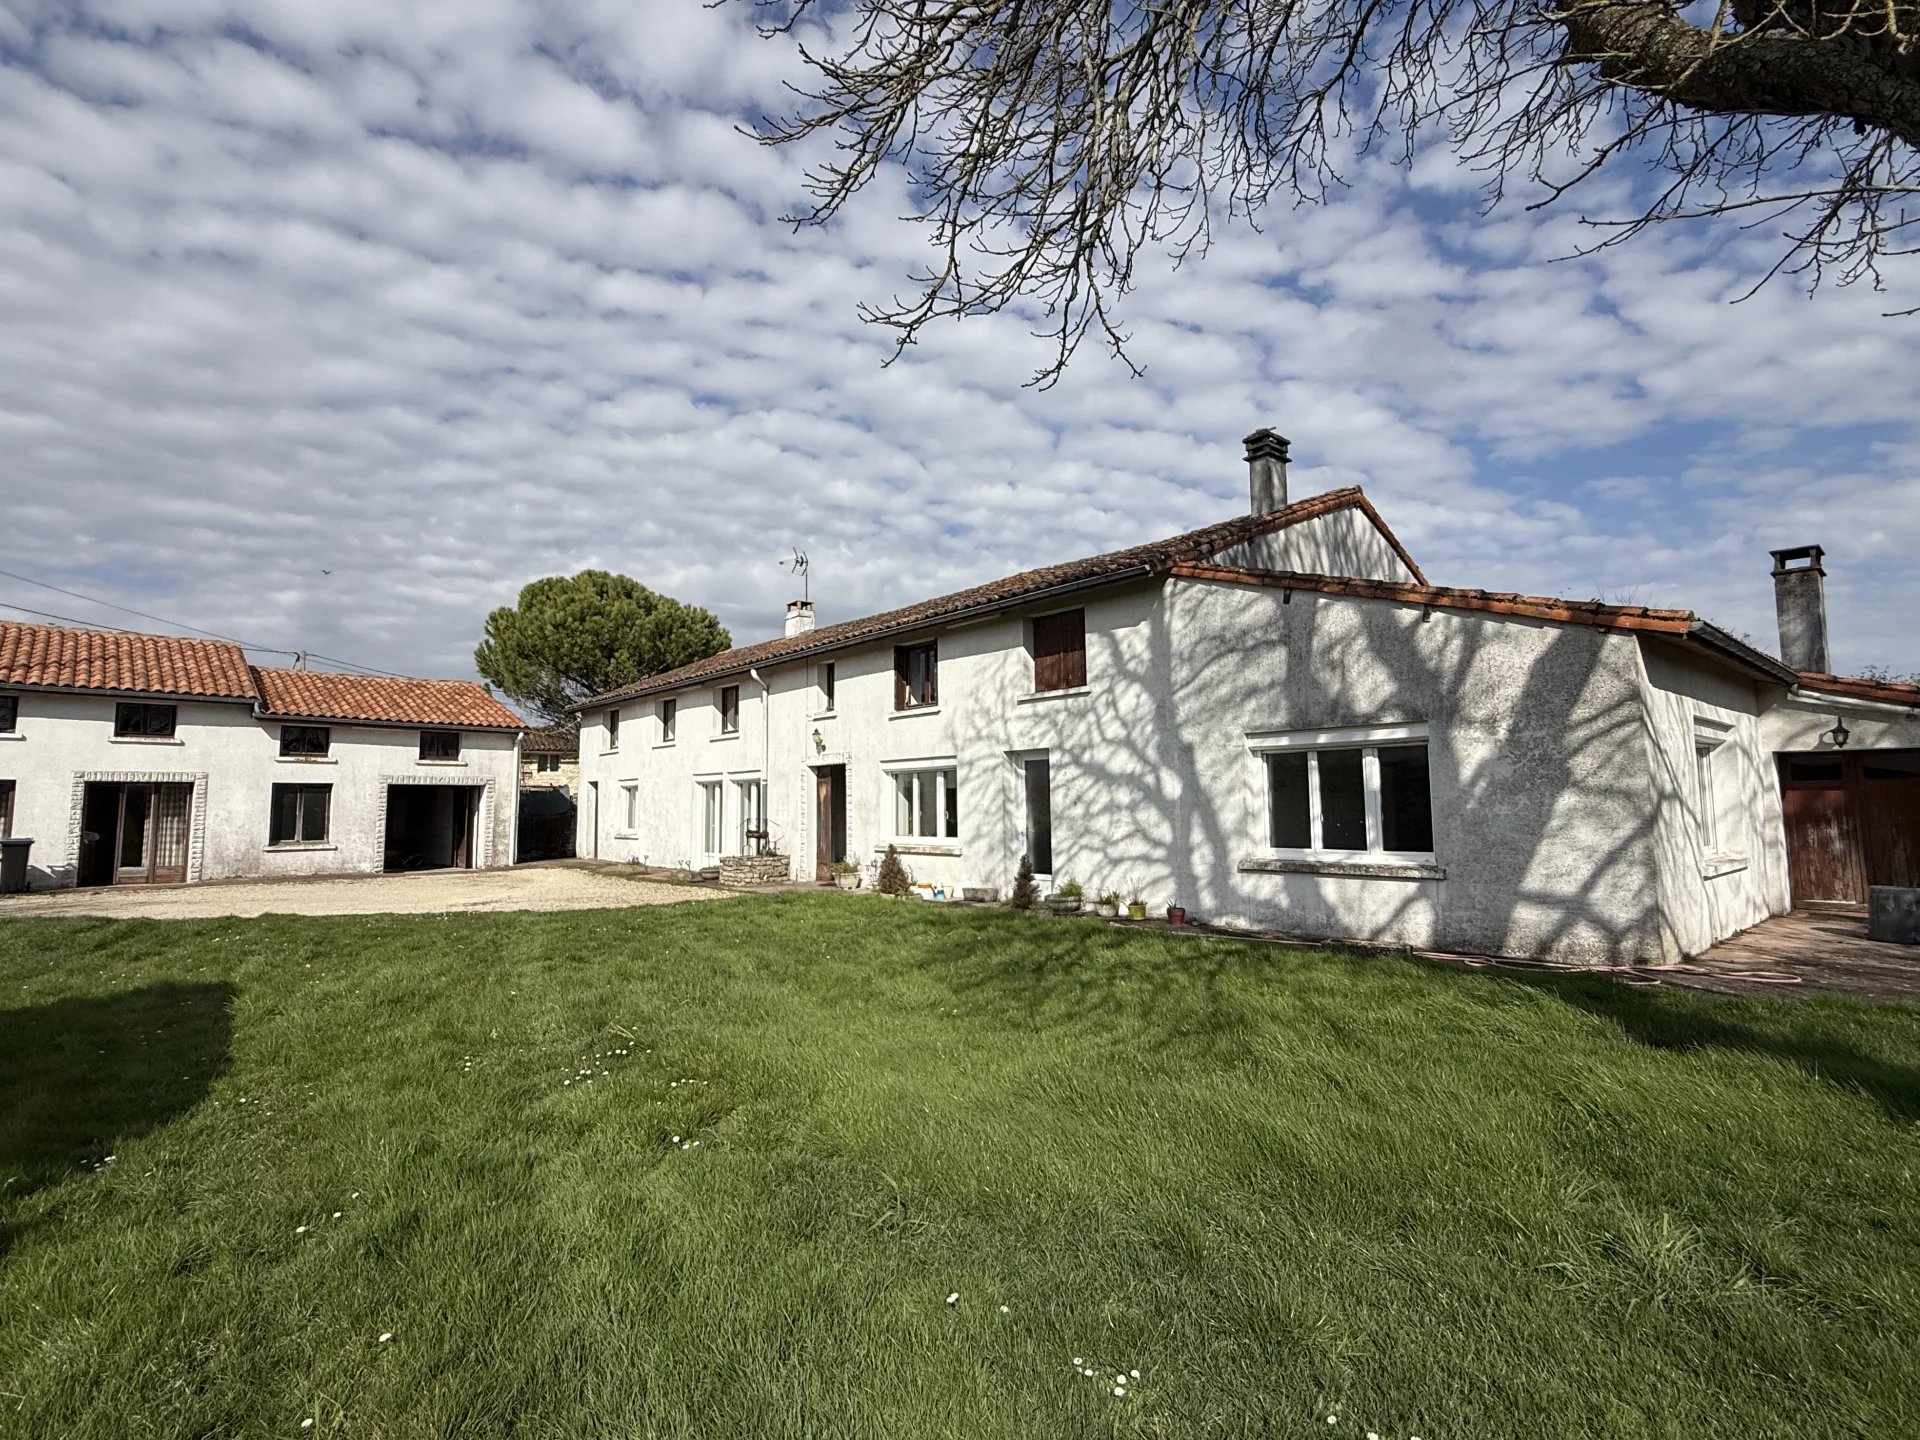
(1892, 692)
(1151, 559)
(560, 739)
(323, 695)
(63, 658)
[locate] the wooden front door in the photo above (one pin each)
(829, 820)
(1853, 820)
(150, 834)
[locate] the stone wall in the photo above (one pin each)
(754, 869)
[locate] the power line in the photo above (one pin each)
(175, 624)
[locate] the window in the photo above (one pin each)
(304, 740)
(299, 814)
(6, 808)
(630, 807)
(669, 715)
(1037, 775)
(927, 804)
(1060, 651)
(916, 675)
(752, 805)
(1349, 799)
(730, 710)
(546, 764)
(613, 729)
(712, 818)
(143, 719)
(10, 712)
(827, 681)
(439, 744)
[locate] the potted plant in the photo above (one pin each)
(1068, 899)
(1136, 903)
(846, 874)
(1108, 905)
(1176, 914)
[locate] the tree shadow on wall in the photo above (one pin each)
(80, 1076)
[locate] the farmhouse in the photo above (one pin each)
(1277, 722)
(140, 759)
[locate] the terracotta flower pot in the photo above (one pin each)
(1176, 914)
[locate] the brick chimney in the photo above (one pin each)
(1267, 470)
(1800, 600)
(799, 616)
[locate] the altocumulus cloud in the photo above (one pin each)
(443, 297)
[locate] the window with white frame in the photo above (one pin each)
(669, 719)
(750, 808)
(613, 729)
(1710, 753)
(630, 806)
(926, 802)
(727, 703)
(713, 831)
(829, 677)
(1351, 793)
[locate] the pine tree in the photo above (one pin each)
(894, 879)
(1025, 893)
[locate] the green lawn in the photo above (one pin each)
(1280, 1185)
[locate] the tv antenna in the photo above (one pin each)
(802, 567)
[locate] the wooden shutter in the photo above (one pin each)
(1060, 651)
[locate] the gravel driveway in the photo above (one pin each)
(434, 892)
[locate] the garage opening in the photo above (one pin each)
(431, 827)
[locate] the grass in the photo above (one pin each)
(1282, 1185)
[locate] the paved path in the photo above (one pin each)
(431, 892)
(1813, 950)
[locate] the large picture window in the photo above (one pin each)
(1349, 799)
(299, 814)
(926, 804)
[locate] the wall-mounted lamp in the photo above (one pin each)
(819, 741)
(1839, 735)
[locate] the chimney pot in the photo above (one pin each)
(1267, 470)
(1800, 602)
(799, 616)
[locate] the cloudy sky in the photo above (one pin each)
(444, 296)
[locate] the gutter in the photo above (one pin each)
(1829, 700)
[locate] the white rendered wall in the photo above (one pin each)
(1539, 762)
(1344, 542)
(233, 761)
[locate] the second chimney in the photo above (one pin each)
(799, 616)
(1800, 600)
(1267, 470)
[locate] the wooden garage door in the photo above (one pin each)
(1852, 820)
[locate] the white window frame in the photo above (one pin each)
(744, 810)
(611, 731)
(666, 713)
(826, 701)
(1709, 736)
(703, 788)
(895, 770)
(629, 807)
(1369, 740)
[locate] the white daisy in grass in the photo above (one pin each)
(954, 1298)
(1121, 1391)
(299, 1229)
(1078, 1361)
(385, 1336)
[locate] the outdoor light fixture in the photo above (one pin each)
(820, 741)
(1839, 735)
